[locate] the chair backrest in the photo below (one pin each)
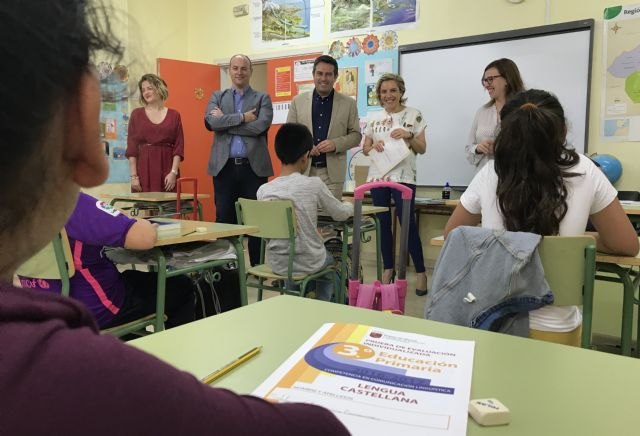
(276, 219)
(53, 262)
(569, 264)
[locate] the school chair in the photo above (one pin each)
(569, 264)
(276, 220)
(55, 262)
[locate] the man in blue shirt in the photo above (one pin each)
(239, 161)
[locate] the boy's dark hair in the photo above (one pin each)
(293, 140)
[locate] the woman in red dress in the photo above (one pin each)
(155, 143)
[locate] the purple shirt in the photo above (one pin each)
(58, 375)
(238, 147)
(97, 283)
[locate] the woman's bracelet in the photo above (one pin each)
(135, 177)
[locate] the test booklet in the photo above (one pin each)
(379, 381)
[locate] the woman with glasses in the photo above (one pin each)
(396, 122)
(502, 80)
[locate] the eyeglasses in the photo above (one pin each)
(489, 79)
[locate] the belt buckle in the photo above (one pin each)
(238, 160)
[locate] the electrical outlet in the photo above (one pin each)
(241, 10)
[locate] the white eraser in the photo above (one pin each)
(201, 229)
(489, 411)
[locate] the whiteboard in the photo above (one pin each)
(443, 80)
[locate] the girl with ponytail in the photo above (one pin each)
(537, 183)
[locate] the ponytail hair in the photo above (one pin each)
(532, 161)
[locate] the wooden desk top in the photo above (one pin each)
(213, 231)
(631, 209)
(153, 197)
(549, 388)
(620, 260)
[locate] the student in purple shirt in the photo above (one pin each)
(58, 375)
(115, 298)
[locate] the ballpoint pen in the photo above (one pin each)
(188, 233)
(231, 365)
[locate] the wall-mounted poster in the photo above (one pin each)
(354, 16)
(114, 118)
(347, 82)
(277, 23)
(376, 68)
(621, 80)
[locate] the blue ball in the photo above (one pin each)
(610, 166)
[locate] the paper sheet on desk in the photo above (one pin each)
(379, 381)
(395, 150)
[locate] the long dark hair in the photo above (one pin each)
(532, 161)
(45, 47)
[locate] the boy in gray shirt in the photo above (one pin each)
(308, 194)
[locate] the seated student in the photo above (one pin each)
(293, 146)
(58, 373)
(538, 184)
(116, 298)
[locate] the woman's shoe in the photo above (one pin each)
(422, 292)
(391, 278)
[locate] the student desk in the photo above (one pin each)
(346, 229)
(188, 233)
(550, 389)
(621, 266)
(152, 199)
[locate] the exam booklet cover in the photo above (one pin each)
(379, 381)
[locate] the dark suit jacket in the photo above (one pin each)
(254, 133)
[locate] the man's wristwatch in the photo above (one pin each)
(174, 172)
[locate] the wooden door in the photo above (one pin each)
(190, 87)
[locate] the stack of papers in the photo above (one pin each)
(379, 381)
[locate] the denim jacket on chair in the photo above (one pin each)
(488, 279)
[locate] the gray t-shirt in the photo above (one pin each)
(308, 194)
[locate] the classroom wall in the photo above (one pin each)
(206, 31)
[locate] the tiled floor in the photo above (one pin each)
(414, 305)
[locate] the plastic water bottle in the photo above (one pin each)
(446, 191)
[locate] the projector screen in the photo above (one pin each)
(443, 81)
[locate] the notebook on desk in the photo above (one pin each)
(166, 226)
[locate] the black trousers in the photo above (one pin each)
(141, 298)
(232, 182)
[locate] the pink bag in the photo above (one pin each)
(377, 296)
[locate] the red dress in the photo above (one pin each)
(154, 145)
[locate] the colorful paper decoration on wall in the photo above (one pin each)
(389, 40)
(370, 44)
(354, 47)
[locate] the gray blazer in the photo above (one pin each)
(254, 133)
(344, 128)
